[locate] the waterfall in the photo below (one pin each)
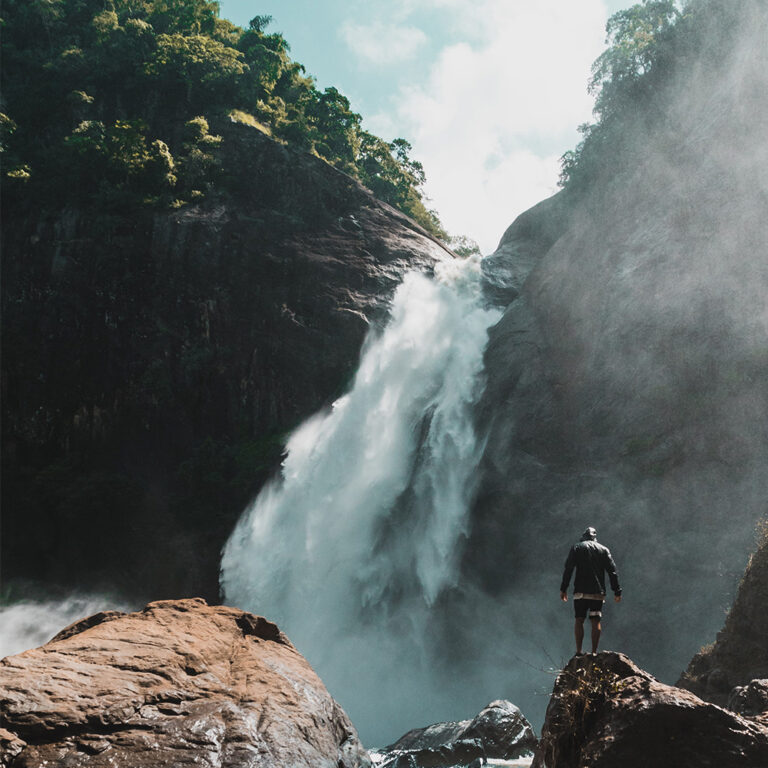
(349, 548)
(30, 623)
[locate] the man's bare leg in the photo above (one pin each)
(579, 632)
(596, 630)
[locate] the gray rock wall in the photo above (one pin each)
(626, 385)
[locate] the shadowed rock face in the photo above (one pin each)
(154, 362)
(606, 712)
(498, 731)
(179, 683)
(751, 700)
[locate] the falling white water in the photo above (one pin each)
(349, 548)
(27, 624)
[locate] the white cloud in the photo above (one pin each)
(491, 118)
(382, 43)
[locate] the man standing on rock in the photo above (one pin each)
(591, 560)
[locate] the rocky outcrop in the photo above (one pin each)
(740, 653)
(178, 683)
(605, 712)
(154, 361)
(498, 731)
(751, 700)
(521, 247)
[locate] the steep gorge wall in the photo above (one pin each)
(154, 362)
(740, 652)
(627, 379)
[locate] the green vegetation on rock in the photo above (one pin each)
(648, 44)
(114, 103)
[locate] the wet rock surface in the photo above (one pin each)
(178, 683)
(498, 731)
(605, 711)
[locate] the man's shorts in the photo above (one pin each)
(592, 607)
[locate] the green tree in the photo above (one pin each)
(634, 37)
(198, 163)
(197, 17)
(464, 246)
(195, 70)
(640, 43)
(103, 92)
(335, 128)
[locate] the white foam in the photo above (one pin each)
(350, 547)
(29, 624)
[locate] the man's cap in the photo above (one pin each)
(589, 535)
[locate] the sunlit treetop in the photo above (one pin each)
(647, 43)
(99, 96)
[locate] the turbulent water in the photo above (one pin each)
(349, 548)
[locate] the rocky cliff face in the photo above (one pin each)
(740, 653)
(153, 362)
(606, 711)
(178, 683)
(626, 378)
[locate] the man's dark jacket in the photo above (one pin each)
(592, 561)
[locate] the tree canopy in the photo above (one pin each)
(99, 97)
(647, 43)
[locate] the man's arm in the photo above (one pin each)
(570, 562)
(613, 575)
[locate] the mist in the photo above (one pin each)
(413, 548)
(351, 547)
(626, 382)
(31, 623)
(624, 390)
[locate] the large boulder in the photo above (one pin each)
(605, 711)
(178, 683)
(498, 731)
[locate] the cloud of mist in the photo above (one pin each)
(350, 548)
(627, 384)
(31, 623)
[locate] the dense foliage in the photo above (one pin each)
(111, 103)
(647, 44)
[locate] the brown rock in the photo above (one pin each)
(606, 712)
(178, 683)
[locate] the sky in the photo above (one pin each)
(490, 93)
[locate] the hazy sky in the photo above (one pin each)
(489, 92)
